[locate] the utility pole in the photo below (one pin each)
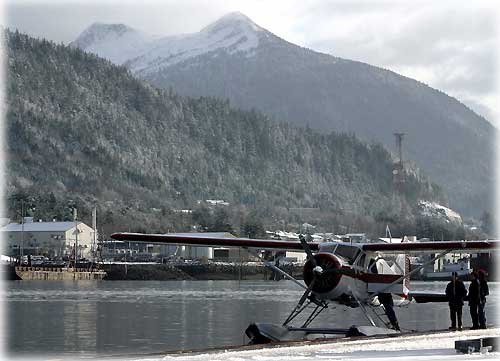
(76, 236)
(22, 233)
(93, 249)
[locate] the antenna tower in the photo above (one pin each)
(398, 169)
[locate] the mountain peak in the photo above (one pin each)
(236, 21)
(235, 16)
(99, 31)
(233, 33)
(116, 28)
(117, 42)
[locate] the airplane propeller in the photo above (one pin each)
(310, 258)
(322, 271)
(317, 270)
(307, 249)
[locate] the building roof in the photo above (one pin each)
(39, 227)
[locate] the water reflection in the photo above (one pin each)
(149, 316)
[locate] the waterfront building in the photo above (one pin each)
(55, 240)
(226, 254)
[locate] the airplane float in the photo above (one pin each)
(353, 274)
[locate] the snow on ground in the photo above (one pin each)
(436, 346)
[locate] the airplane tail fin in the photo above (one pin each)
(403, 267)
(406, 282)
(407, 270)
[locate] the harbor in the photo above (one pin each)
(240, 181)
(159, 316)
(47, 251)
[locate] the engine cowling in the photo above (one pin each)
(326, 283)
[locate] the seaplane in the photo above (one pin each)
(371, 276)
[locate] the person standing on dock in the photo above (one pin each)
(483, 292)
(474, 299)
(455, 293)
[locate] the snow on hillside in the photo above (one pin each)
(232, 33)
(435, 210)
(144, 53)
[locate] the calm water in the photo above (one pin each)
(124, 317)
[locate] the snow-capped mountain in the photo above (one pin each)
(236, 59)
(233, 33)
(145, 54)
(116, 42)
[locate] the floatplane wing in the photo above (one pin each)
(484, 246)
(433, 247)
(213, 241)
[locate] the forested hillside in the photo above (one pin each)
(82, 130)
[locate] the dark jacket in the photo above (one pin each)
(483, 290)
(474, 293)
(455, 293)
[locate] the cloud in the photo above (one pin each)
(445, 45)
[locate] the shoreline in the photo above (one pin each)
(205, 271)
(125, 271)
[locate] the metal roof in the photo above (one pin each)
(39, 227)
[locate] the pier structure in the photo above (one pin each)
(59, 274)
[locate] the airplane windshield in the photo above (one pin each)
(346, 251)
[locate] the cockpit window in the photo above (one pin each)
(346, 251)
(361, 261)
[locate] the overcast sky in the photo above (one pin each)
(449, 45)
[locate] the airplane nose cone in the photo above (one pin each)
(318, 270)
(325, 272)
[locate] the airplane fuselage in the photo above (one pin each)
(347, 271)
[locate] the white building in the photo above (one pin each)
(51, 239)
(200, 252)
